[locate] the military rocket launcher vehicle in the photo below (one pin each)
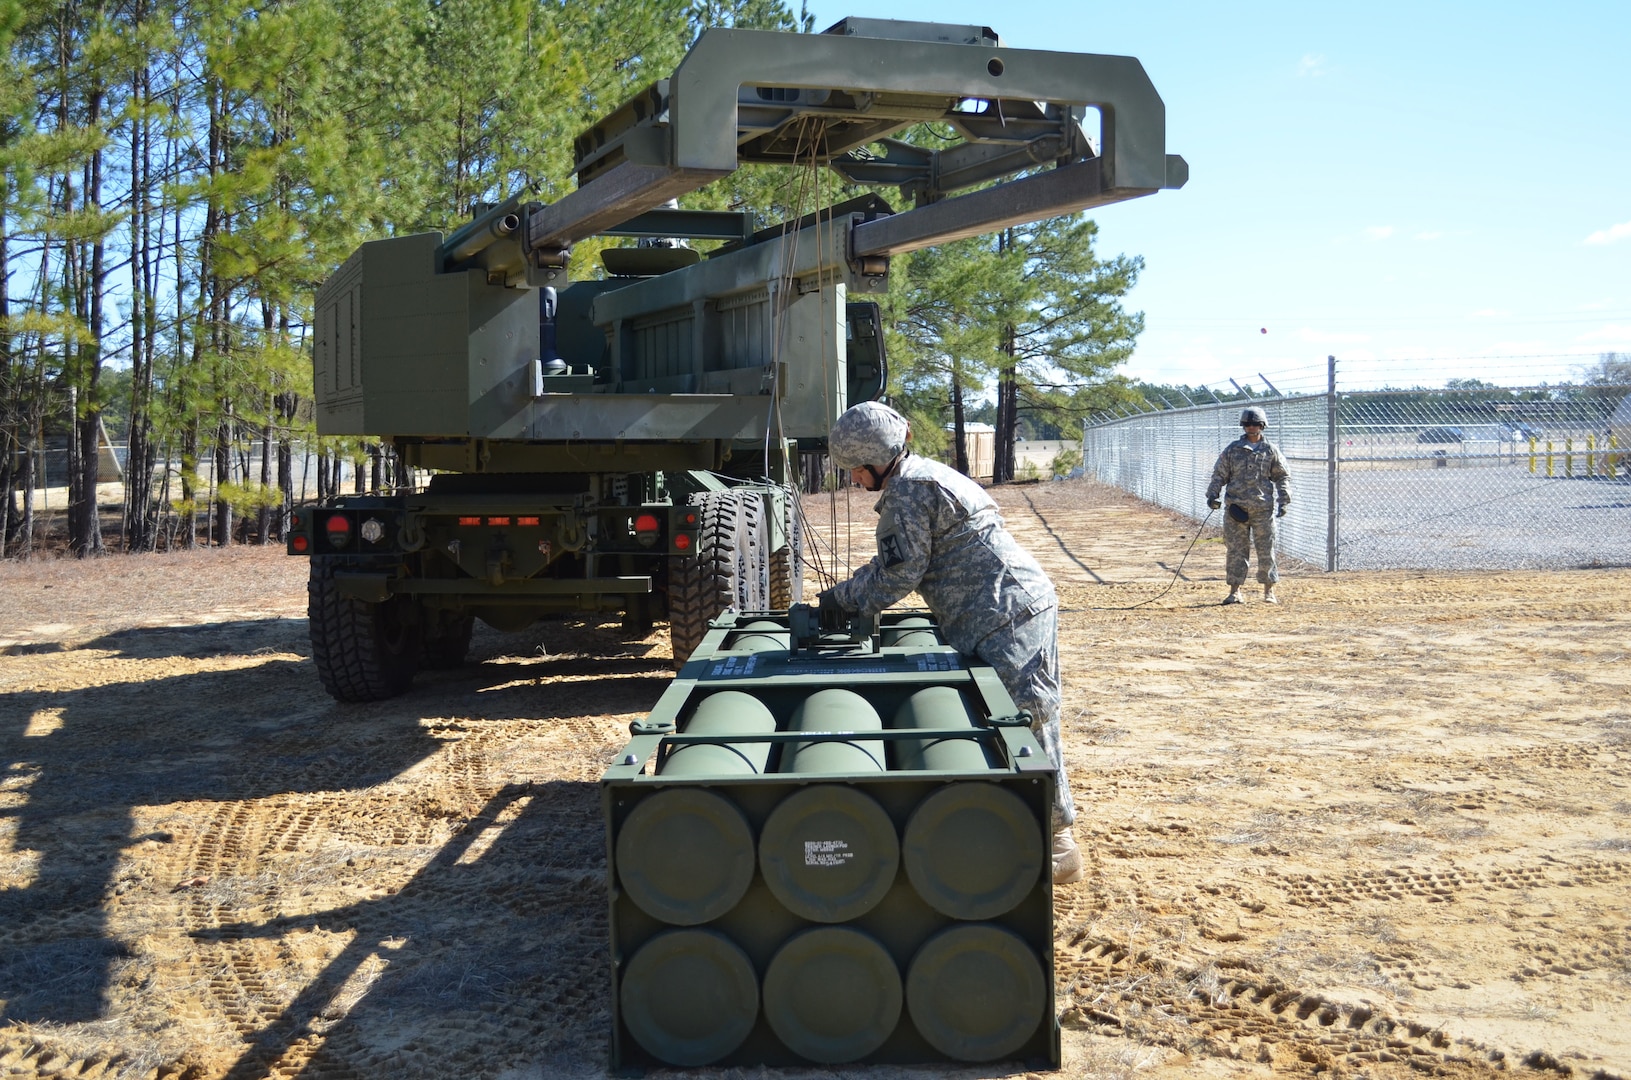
(626, 443)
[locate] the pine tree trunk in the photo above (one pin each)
(10, 385)
(959, 445)
(189, 486)
(1002, 466)
(285, 410)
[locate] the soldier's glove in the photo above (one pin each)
(1283, 508)
(833, 616)
(1214, 504)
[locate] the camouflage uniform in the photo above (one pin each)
(940, 533)
(1253, 472)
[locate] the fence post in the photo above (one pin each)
(1333, 517)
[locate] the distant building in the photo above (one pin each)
(980, 444)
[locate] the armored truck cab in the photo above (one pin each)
(625, 443)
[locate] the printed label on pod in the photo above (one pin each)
(826, 853)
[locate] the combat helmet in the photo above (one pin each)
(870, 433)
(1253, 415)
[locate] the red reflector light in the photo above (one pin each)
(299, 543)
(526, 521)
(470, 521)
(498, 521)
(682, 542)
(338, 528)
(645, 523)
(690, 517)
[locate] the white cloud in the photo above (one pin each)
(1612, 234)
(1611, 334)
(1379, 232)
(1311, 66)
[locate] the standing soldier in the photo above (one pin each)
(940, 533)
(1253, 472)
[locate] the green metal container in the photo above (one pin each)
(938, 707)
(834, 710)
(977, 992)
(897, 915)
(832, 995)
(727, 713)
(689, 997)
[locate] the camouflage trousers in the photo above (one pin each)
(1025, 656)
(1240, 536)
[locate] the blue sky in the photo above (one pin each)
(1426, 190)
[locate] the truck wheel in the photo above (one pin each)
(704, 583)
(753, 579)
(363, 651)
(787, 565)
(446, 638)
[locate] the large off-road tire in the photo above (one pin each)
(363, 651)
(787, 565)
(446, 638)
(753, 551)
(707, 581)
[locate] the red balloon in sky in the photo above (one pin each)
(1263, 330)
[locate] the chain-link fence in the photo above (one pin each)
(1443, 479)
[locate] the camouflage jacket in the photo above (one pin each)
(940, 534)
(1253, 473)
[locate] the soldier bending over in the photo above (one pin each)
(940, 533)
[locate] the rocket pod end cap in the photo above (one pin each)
(685, 856)
(832, 994)
(973, 850)
(689, 997)
(829, 853)
(976, 992)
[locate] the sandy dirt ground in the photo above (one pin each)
(1380, 830)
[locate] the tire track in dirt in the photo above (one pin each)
(1119, 993)
(449, 805)
(1441, 886)
(227, 916)
(1229, 1009)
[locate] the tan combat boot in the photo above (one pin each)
(1067, 857)
(1268, 595)
(1234, 595)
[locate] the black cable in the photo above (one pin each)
(1175, 574)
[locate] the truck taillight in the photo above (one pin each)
(338, 528)
(683, 523)
(498, 521)
(645, 529)
(470, 521)
(525, 521)
(299, 544)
